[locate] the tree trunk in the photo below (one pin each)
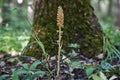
(117, 13)
(110, 6)
(80, 27)
(6, 12)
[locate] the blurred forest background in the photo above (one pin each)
(16, 18)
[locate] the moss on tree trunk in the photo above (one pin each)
(80, 27)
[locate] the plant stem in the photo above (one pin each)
(59, 49)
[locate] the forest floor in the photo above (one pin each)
(77, 68)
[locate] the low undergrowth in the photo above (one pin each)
(29, 68)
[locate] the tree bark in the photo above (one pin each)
(80, 27)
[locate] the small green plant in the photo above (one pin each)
(30, 72)
(112, 34)
(3, 76)
(110, 49)
(41, 45)
(101, 76)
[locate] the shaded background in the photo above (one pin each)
(16, 22)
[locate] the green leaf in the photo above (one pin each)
(40, 44)
(27, 77)
(15, 77)
(3, 76)
(105, 65)
(34, 65)
(103, 77)
(25, 66)
(113, 77)
(37, 74)
(96, 77)
(89, 70)
(17, 73)
(76, 64)
(74, 45)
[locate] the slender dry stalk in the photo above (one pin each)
(60, 21)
